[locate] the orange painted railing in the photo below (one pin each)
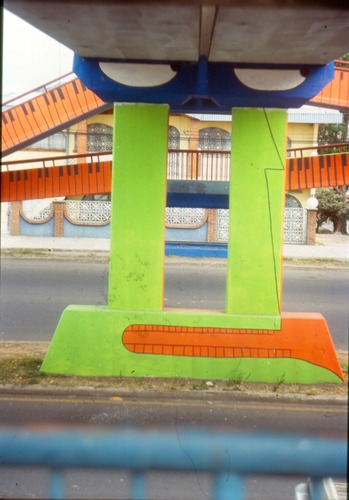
(336, 93)
(61, 176)
(65, 101)
(91, 173)
(46, 110)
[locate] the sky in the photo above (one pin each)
(30, 58)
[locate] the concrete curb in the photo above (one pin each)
(171, 260)
(207, 396)
(328, 247)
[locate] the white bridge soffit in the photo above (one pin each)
(252, 32)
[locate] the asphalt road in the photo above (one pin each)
(34, 292)
(231, 413)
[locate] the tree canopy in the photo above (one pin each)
(333, 207)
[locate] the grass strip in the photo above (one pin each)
(25, 371)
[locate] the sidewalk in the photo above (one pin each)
(328, 246)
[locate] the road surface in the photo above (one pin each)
(34, 292)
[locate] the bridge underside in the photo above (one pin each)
(249, 33)
(208, 56)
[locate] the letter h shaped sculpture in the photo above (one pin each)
(135, 335)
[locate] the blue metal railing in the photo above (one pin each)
(227, 457)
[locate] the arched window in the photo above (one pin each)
(214, 138)
(99, 137)
(55, 142)
(292, 202)
(173, 158)
(173, 138)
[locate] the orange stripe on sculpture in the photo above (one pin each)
(303, 336)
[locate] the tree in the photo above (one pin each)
(343, 58)
(333, 207)
(335, 133)
(345, 134)
(330, 133)
(333, 202)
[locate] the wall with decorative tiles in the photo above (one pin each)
(91, 219)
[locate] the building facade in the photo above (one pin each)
(89, 216)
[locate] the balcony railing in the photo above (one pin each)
(187, 164)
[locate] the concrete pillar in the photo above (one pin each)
(81, 138)
(256, 212)
(212, 225)
(15, 211)
(311, 226)
(58, 213)
(138, 206)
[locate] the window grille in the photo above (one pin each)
(37, 210)
(185, 217)
(99, 137)
(294, 226)
(292, 202)
(54, 142)
(173, 157)
(214, 138)
(88, 211)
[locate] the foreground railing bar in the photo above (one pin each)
(138, 486)
(316, 489)
(136, 450)
(57, 488)
(227, 457)
(228, 486)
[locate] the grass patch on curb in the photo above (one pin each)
(22, 371)
(58, 254)
(315, 262)
(24, 252)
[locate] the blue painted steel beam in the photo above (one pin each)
(198, 194)
(202, 86)
(196, 249)
(197, 200)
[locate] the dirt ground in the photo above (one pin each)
(23, 349)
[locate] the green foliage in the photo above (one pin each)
(332, 207)
(331, 133)
(343, 58)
